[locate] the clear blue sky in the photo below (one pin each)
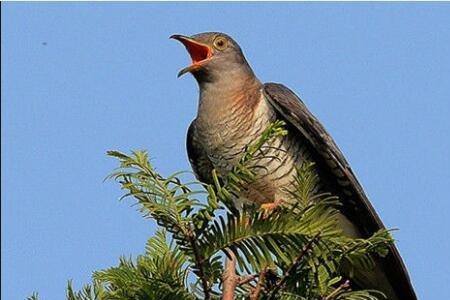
(79, 79)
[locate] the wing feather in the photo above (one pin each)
(335, 169)
(201, 165)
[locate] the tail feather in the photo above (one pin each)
(389, 275)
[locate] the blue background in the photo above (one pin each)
(81, 78)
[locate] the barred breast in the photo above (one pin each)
(240, 124)
(279, 160)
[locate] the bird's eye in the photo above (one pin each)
(220, 43)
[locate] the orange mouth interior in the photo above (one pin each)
(198, 52)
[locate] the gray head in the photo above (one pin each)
(215, 57)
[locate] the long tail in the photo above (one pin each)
(389, 275)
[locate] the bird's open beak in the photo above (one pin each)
(199, 52)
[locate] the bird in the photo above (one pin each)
(234, 108)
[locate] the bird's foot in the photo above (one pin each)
(267, 208)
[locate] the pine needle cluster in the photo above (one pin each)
(296, 251)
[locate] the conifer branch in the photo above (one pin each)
(343, 286)
(230, 279)
(247, 279)
(198, 236)
(199, 265)
(254, 294)
(293, 266)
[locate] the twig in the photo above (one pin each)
(247, 278)
(199, 265)
(254, 295)
(292, 267)
(230, 279)
(344, 285)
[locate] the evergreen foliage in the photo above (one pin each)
(295, 251)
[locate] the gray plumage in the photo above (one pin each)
(235, 107)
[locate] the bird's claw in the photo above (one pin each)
(267, 208)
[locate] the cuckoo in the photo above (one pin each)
(234, 108)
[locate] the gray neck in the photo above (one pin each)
(218, 96)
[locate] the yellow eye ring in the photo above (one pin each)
(220, 43)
